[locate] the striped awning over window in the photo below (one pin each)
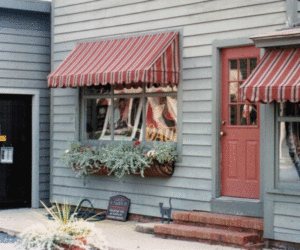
(151, 59)
(276, 78)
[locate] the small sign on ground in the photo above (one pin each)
(118, 208)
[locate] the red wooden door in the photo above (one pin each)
(240, 133)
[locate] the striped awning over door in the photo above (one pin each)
(276, 78)
(150, 58)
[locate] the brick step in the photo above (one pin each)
(221, 221)
(209, 235)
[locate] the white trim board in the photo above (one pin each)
(35, 138)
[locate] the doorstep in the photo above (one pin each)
(217, 229)
(119, 235)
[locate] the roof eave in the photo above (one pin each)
(35, 6)
(262, 41)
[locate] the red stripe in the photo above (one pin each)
(275, 78)
(134, 59)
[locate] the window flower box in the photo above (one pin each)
(156, 169)
(123, 158)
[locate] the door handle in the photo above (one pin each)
(222, 133)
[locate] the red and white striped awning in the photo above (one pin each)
(276, 78)
(151, 59)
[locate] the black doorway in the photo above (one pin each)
(16, 125)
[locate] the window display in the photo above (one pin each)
(289, 142)
(123, 107)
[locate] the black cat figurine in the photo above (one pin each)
(165, 211)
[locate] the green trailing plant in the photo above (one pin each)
(83, 160)
(65, 231)
(119, 159)
(163, 152)
(125, 158)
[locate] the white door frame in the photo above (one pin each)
(35, 138)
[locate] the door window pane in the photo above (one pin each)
(253, 114)
(161, 119)
(289, 151)
(243, 69)
(253, 63)
(233, 114)
(233, 72)
(243, 110)
(233, 92)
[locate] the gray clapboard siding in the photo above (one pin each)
(19, 83)
(159, 11)
(123, 7)
(196, 150)
(196, 84)
(24, 57)
(25, 64)
(289, 222)
(197, 73)
(64, 119)
(195, 161)
(63, 127)
(44, 67)
(203, 28)
(201, 22)
(189, 128)
(192, 139)
(197, 106)
(130, 188)
(19, 74)
(193, 95)
(25, 33)
(29, 48)
(103, 4)
(285, 208)
(197, 117)
(207, 27)
(63, 136)
(21, 39)
(24, 20)
(25, 5)
(190, 172)
(104, 195)
(64, 110)
(200, 62)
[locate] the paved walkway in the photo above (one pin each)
(119, 235)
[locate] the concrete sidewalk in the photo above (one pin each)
(119, 235)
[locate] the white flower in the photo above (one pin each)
(151, 153)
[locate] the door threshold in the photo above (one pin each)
(237, 206)
(236, 199)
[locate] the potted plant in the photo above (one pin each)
(65, 232)
(122, 158)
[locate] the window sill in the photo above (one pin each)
(284, 192)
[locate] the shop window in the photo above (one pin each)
(288, 127)
(117, 113)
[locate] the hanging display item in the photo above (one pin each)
(7, 155)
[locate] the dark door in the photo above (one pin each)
(15, 177)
